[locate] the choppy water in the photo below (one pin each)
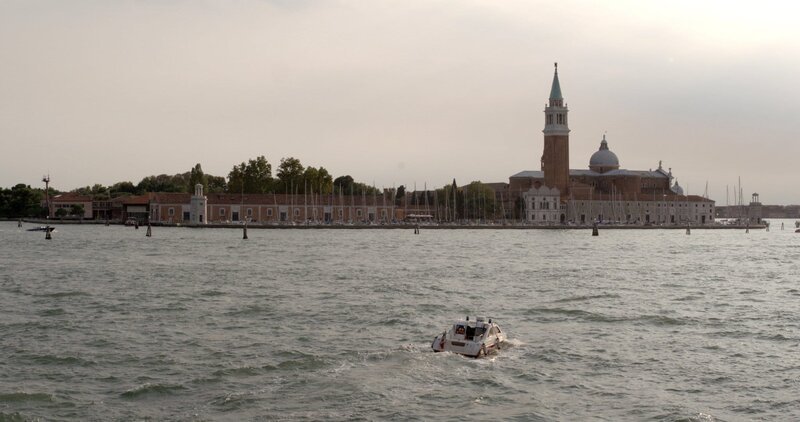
(102, 323)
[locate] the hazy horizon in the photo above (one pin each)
(398, 92)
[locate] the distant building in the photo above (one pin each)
(197, 208)
(68, 202)
(604, 192)
(752, 212)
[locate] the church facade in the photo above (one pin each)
(603, 192)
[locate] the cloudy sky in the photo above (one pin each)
(399, 92)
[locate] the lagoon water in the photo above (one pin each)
(102, 323)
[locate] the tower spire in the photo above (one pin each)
(555, 90)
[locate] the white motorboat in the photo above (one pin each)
(470, 338)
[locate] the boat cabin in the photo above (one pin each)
(466, 330)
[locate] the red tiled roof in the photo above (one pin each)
(135, 200)
(71, 197)
(171, 197)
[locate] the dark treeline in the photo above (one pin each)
(474, 201)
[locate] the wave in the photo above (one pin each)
(586, 297)
(661, 320)
(25, 397)
(63, 294)
(251, 310)
(52, 312)
(152, 389)
(242, 371)
(60, 360)
(296, 361)
(597, 317)
(234, 401)
(13, 417)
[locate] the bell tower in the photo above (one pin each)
(555, 157)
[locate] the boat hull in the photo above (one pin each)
(469, 348)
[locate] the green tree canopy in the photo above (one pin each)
(162, 183)
(400, 195)
(480, 201)
(216, 184)
(290, 176)
(122, 189)
(21, 201)
(196, 175)
(255, 176)
(343, 185)
(317, 180)
(97, 191)
(76, 210)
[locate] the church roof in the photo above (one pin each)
(620, 172)
(538, 174)
(531, 174)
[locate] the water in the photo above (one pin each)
(102, 323)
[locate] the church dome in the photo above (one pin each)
(603, 160)
(677, 188)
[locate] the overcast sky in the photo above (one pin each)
(399, 92)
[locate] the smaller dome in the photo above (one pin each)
(677, 188)
(603, 159)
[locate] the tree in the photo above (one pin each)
(162, 183)
(317, 180)
(401, 194)
(76, 210)
(255, 176)
(122, 189)
(343, 185)
(236, 178)
(290, 175)
(22, 201)
(196, 176)
(480, 201)
(61, 212)
(97, 191)
(216, 184)
(5, 197)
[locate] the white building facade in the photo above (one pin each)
(542, 205)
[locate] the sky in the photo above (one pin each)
(408, 92)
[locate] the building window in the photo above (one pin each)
(171, 212)
(249, 212)
(296, 212)
(358, 213)
(222, 212)
(269, 212)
